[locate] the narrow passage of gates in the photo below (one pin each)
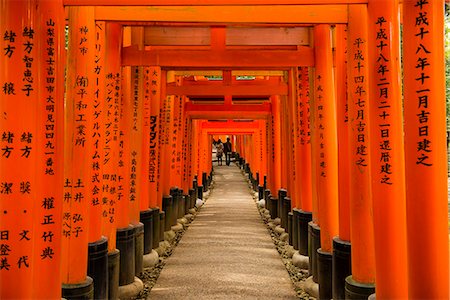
(226, 252)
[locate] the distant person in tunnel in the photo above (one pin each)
(227, 150)
(219, 152)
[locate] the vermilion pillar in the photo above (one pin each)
(155, 91)
(112, 193)
(77, 149)
(361, 219)
(304, 115)
(276, 141)
(387, 151)
(47, 235)
(95, 199)
(426, 159)
(327, 160)
(19, 147)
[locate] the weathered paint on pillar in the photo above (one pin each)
(387, 150)
(363, 255)
(327, 160)
(111, 193)
(95, 199)
(426, 157)
(77, 149)
(343, 134)
(47, 236)
(304, 115)
(153, 166)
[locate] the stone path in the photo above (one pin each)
(227, 252)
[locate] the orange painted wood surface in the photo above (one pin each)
(425, 149)
(327, 160)
(343, 131)
(112, 183)
(387, 149)
(361, 219)
(77, 148)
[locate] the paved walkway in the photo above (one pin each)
(227, 252)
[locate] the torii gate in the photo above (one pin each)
(80, 181)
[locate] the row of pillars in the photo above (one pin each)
(95, 165)
(358, 151)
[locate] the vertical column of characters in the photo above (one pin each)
(363, 260)
(425, 150)
(174, 141)
(189, 156)
(112, 191)
(145, 148)
(343, 130)
(387, 150)
(276, 140)
(123, 170)
(80, 85)
(195, 148)
(294, 136)
(95, 227)
(136, 138)
(153, 166)
(49, 177)
(185, 149)
(327, 161)
(18, 184)
(165, 149)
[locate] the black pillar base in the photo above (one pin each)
(175, 204)
(138, 249)
(286, 210)
(82, 291)
(314, 244)
(200, 192)
(324, 272)
(113, 274)
(146, 218)
(204, 182)
(304, 217)
(98, 267)
(355, 290)
(295, 228)
(282, 193)
(273, 207)
(187, 203)
(290, 226)
(156, 230)
(126, 245)
(162, 221)
(260, 192)
(167, 206)
(342, 266)
(192, 198)
(181, 204)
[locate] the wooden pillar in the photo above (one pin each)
(165, 134)
(425, 150)
(145, 147)
(47, 235)
(387, 151)
(327, 160)
(304, 116)
(363, 260)
(343, 131)
(123, 169)
(154, 145)
(78, 134)
(111, 196)
(276, 140)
